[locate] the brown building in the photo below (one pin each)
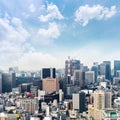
(29, 104)
(50, 84)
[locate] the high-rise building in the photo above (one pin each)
(116, 66)
(50, 84)
(102, 69)
(48, 73)
(78, 78)
(74, 65)
(102, 101)
(99, 104)
(89, 77)
(95, 69)
(107, 70)
(79, 101)
(118, 73)
(108, 99)
(99, 99)
(8, 82)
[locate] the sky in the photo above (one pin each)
(42, 33)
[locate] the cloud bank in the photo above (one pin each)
(86, 13)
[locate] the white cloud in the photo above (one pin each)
(32, 8)
(46, 36)
(13, 31)
(13, 38)
(36, 61)
(98, 12)
(52, 12)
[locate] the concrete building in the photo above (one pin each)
(78, 78)
(116, 67)
(90, 112)
(118, 73)
(107, 70)
(99, 104)
(116, 81)
(95, 69)
(102, 69)
(51, 84)
(99, 99)
(79, 101)
(74, 65)
(29, 104)
(89, 77)
(108, 99)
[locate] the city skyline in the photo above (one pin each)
(38, 34)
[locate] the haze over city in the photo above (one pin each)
(39, 33)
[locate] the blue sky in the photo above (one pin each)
(38, 33)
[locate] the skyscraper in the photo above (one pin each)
(48, 72)
(79, 101)
(89, 77)
(99, 99)
(116, 66)
(108, 99)
(102, 69)
(107, 70)
(74, 65)
(99, 104)
(8, 82)
(95, 69)
(78, 78)
(51, 84)
(70, 66)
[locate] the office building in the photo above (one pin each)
(95, 69)
(78, 78)
(116, 66)
(50, 84)
(99, 104)
(8, 82)
(116, 81)
(71, 65)
(79, 101)
(48, 73)
(102, 69)
(108, 99)
(107, 70)
(89, 77)
(30, 104)
(118, 73)
(99, 99)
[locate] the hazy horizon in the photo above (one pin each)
(37, 34)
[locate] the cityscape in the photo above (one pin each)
(76, 92)
(59, 60)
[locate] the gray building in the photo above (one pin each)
(74, 65)
(89, 77)
(116, 66)
(8, 82)
(79, 101)
(107, 70)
